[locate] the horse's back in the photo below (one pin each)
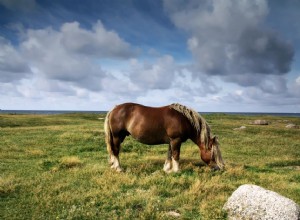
(127, 111)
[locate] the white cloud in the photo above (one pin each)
(72, 53)
(298, 81)
(121, 86)
(98, 42)
(13, 66)
(157, 75)
(294, 90)
(51, 65)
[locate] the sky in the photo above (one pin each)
(210, 55)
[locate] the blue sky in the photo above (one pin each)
(211, 55)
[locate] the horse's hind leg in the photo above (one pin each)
(114, 157)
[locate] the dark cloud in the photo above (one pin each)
(229, 38)
(273, 85)
(261, 52)
(266, 83)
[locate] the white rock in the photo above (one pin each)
(260, 122)
(173, 213)
(292, 126)
(254, 202)
(240, 128)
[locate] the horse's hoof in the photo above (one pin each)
(167, 171)
(216, 168)
(119, 169)
(171, 171)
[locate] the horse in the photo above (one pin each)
(172, 125)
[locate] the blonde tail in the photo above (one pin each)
(108, 135)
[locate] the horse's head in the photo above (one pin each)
(211, 154)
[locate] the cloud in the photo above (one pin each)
(13, 66)
(294, 89)
(297, 81)
(157, 75)
(267, 83)
(273, 85)
(194, 83)
(164, 74)
(97, 42)
(72, 53)
(228, 38)
(121, 86)
(64, 62)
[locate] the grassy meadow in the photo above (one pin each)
(56, 167)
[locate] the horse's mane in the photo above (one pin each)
(196, 120)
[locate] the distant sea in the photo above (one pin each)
(51, 112)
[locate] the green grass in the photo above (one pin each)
(56, 167)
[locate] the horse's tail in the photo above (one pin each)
(108, 134)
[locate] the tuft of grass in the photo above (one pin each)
(7, 185)
(70, 162)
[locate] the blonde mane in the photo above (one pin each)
(196, 120)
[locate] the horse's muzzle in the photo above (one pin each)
(215, 168)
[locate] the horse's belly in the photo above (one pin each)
(150, 141)
(150, 138)
(147, 129)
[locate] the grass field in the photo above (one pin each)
(56, 167)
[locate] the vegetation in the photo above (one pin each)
(56, 167)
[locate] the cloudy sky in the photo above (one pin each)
(211, 55)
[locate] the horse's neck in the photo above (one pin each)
(196, 138)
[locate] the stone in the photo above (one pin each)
(260, 122)
(240, 128)
(292, 126)
(173, 214)
(255, 202)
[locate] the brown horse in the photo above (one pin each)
(172, 125)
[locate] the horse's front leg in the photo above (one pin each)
(175, 144)
(172, 162)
